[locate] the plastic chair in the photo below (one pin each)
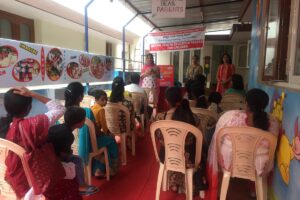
(233, 102)
(207, 118)
(245, 142)
(174, 133)
(113, 124)
(139, 100)
(6, 192)
(192, 103)
(95, 150)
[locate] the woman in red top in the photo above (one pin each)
(17, 103)
(225, 71)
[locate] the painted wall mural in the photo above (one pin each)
(285, 106)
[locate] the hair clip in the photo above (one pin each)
(69, 91)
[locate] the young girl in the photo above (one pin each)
(98, 109)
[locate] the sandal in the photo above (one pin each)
(90, 190)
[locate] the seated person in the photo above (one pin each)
(181, 111)
(74, 118)
(98, 109)
(199, 96)
(254, 116)
(237, 85)
(214, 100)
(134, 84)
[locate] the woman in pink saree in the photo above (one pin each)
(150, 76)
(225, 71)
(254, 116)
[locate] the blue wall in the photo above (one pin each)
(285, 184)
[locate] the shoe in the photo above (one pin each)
(90, 190)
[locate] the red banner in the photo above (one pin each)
(166, 75)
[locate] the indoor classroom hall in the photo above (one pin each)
(137, 179)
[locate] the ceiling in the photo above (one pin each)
(213, 14)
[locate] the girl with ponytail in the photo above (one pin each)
(254, 116)
(180, 111)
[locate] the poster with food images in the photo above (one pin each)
(30, 64)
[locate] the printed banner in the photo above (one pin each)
(34, 64)
(168, 8)
(177, 40)
(166, 75)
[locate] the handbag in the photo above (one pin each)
(43, 166)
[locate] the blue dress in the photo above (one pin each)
(107, 141)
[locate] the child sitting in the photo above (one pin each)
(62, 139)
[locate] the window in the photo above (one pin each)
(294, 44)
(274, 40)
(186, 61)
(108, 49)
(16, 27)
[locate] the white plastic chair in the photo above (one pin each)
(113, 124)
(174, 134)
(245, 142)
(6, 192)
(138, 100)
(207, 118)
(233, 102)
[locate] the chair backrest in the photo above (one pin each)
(153, 92)
(138, 100)
(87, 101)
(192, 103)
(92, 132)
(233, 102)
(5, 147)
(207, 117)
(174, 134)
(245, 142)
(113, 118)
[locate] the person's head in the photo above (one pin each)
(117, 90)
(135, 78)
(149, 59)
(62, 138)
(226, 59)
(74, 94)
(183, 113)
(16, 106)
(237, 82)
(198, 94)
(74, 117)
(195, 59)
(173, 96)
(256, 101)
(215, 97)
(100, 97)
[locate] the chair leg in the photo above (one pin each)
(88, 170)
(123, 147)
(165, 181)
(189, 184)
(265, 188)
(259, 188)
(106, 164)
(159, 180)
(225, 184)
(143, 123)
(133, 142)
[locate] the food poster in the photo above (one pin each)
(30, 64)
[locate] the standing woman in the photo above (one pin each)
(150, 76)
(224, 74)
(194, 69)
(18, 103)
(73, 96)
